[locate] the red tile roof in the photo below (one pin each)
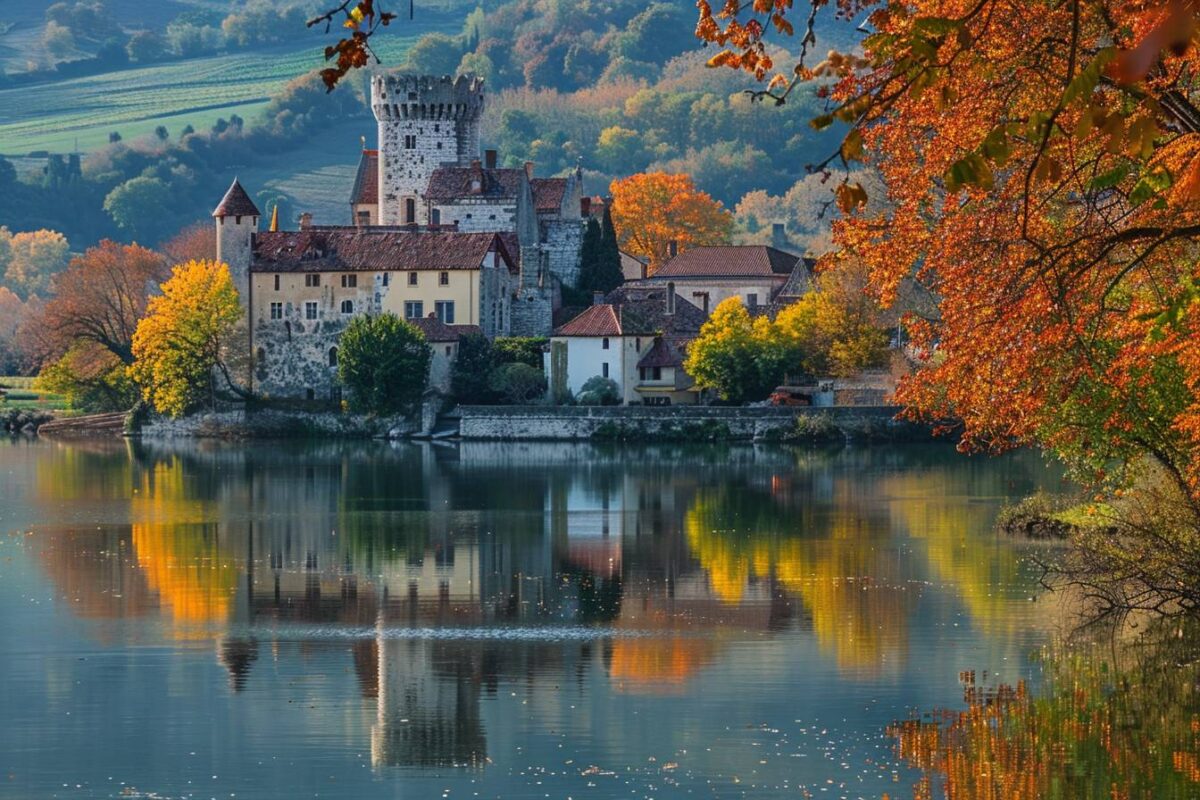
(437, 331)
(548, 193)
(729, 261)
(452, 183)
(597, 320)
(366, 182)
(236, 203)
(349, 249)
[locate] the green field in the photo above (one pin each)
(81, 112)
(22, 393)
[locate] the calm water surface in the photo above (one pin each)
(494, 620)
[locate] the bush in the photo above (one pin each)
(599, 391)
(519, 350)
(470, 377)
(518, 383)
(384, 362)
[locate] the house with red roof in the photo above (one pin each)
(760, 275)
(635, 336)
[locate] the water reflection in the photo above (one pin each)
(438, 576)
(1116, 719)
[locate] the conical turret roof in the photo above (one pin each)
(236, 203)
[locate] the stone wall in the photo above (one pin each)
(517, 423)
(563, 239)
(270, 424)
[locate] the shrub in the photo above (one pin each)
(599, 391)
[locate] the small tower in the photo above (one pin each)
(237, 222)
(424, 122)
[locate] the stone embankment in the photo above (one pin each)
(88, 425)
(683, 423)
(23, 420)
(272, 424)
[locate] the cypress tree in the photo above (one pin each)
(589, 260)
(608, 268)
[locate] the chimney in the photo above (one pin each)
(779, 238)
(585, 206)
(476, 177)
(529, 169)
(305, 221)
(489, 158)
(597, 298)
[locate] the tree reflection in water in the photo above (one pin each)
(1112, 720)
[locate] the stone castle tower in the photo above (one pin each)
(424, 122)
(237, 221)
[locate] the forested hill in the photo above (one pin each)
(614, 86)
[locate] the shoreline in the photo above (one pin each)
(802, 425)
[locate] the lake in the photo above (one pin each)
(497, 620)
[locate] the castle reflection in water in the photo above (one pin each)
(443, 572)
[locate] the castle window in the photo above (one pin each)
(445, 311)
(349, 281)
(312, 279)
(276, 310)
(412, 279)
(347, 306)
(439, 145)
(333, 356)
(410, 142)
(444, 279)
(277, 283)
(414, 309)
(310, 309)
(410, 211)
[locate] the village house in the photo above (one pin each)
(302, 288)
(760, 275)
(635, 336)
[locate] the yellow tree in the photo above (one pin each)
(738, 357)
(652, 209)
(180, 347)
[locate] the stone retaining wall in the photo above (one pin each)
(698, 423)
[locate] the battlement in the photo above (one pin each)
(426, 97)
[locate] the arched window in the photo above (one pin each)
(347, 306)
(333, 356)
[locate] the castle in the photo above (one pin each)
(439, 236)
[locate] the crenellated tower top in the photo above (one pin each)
(427, 97)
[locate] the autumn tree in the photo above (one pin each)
(738, 357)
(196, 242)
(29, 259)
(384, 362)
(84, 335)
(653, 209)
(183, 348)
(1043, 167)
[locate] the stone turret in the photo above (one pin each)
(237, 222)
(424, 122)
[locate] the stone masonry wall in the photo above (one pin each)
(563, 239)
(531, 423)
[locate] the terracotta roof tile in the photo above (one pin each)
(728, 261)
(350, 249)
(437, 331)
(452, 183)
(597, 320)
(548, 193)
(236, 203)
(366, 182)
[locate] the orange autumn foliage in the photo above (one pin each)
(652, 209)
(1042, 166)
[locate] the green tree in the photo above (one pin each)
(472, 369)
(384, 362)
(138, 207)
(518, 383)
(519, 350)
(145, 47)
(619, 149)
(183, 343)
(600, 260)
(58, 40)
(434, 54)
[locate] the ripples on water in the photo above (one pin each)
(485, 620)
